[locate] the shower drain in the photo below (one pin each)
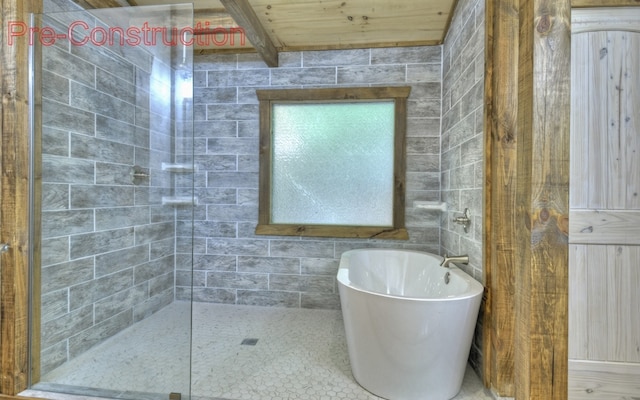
(249, 342)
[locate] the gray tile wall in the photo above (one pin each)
(462, 139)
(232, 265)
(107, 242)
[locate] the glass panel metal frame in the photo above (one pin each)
(112, 106)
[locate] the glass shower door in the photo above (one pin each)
(113, 200)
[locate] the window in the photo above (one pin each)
(332, 162)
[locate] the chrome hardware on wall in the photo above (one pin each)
(464, 220)
(138, 173)
(4, 247)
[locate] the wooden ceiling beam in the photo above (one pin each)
(242, 12)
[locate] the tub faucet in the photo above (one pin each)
(454, 259)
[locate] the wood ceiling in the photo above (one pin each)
(271, 26)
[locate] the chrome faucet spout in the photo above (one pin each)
(464, 259)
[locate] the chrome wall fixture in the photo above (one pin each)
(464, 220)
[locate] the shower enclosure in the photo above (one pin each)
(112, 197)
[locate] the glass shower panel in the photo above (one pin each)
(113, 199)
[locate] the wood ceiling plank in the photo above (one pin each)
(218, 32)
(349, 23)
(242, 12)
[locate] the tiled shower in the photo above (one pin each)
(113, 254)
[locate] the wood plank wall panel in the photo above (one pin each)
(606, 159)
(604, 226)
(14, 210)
(604, 3)
(603, 381)
(604, 317)
(604, 322)
(541, 354)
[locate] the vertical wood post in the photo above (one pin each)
(14, 201)
(501, 83)
(542, 200)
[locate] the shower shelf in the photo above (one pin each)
(179, 201)
(177, 167)
(431, 205)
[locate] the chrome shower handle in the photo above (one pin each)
(464, 220)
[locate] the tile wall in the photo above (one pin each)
(462, 139)
(232, 265)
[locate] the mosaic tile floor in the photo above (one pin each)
(299, 354)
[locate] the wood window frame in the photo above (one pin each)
(267, 98)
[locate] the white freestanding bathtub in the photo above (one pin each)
(409, 332)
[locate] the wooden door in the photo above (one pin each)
(604, 250)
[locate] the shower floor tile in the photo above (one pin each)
(299, 354)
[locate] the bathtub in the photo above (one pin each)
(408, 331)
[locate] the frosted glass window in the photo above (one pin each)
(332, 162)
(323, 158)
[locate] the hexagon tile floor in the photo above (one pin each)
(299, 354)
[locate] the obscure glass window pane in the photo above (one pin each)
(314, 150)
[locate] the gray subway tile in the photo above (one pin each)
(153, 269)
(60, 276)
(320, 301)
(67, 65)
(406, 55)
(162, 284)
(283, 265)
(89, 99)
(153, 232)
(208, 295)
(67, 170)
(100, 242)
(120, 217)
(372, 74)
(234, 280)
(215, 95)
(237, 247)
(55, 197)
(67, 222)
(328, 58)
(114, 261)
(67, 118)
(299, 248)
(246, 77)
(102, 56)
(268, 298)
(152, 305)
(54, 250)
(55, 141)
(55, 87)
(120, 302)
(114, 86)
(303, 76)
(98, 333)
(319, 266)
(85, 196)
(94, 290)
(61, 328)
(302, 283)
